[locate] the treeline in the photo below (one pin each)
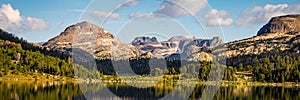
(15, 60)
(25, 45)
(159, 67)
(154, 67)
(272, 66)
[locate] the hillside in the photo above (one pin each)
(25, 45)
(275, 37)
(23, 60)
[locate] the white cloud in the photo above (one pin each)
(177, 8)
(101, 15)
(218, 17)
(11, 20)
(11, 14)
(260, 14)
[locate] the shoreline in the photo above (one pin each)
(95, 81)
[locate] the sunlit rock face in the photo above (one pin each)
(95, 40)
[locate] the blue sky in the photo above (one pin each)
(39, 20)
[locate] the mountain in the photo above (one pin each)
(41, 43)
(93, 39)
(281, 24)
(278, 38)
(103, 45)
(177, 47)
(142, 40)
(281, 34)
(271, 56)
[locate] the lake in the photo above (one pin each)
(39, 90)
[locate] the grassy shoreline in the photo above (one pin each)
(108, 79)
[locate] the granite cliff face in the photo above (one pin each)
(281, 24)
(94, 40)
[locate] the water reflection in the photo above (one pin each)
(68, 91)
(16, 90)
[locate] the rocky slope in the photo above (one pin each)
(281, 24)
(280, 34)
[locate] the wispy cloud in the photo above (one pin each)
(103, 14)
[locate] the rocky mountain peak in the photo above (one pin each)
(143, 40)
(83, 31)
(177, 47)
(93, 39)
(281, 24)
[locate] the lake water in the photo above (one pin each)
(67, 91)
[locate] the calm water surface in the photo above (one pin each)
(68, 91)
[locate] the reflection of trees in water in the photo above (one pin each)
(225, 92)
(49, 90)
(125, 91)
(252, 93)
(38, 91)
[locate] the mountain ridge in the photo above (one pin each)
(281, 24)
(103, 45)
(274, 38)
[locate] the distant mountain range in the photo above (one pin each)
(279, 33)
(184, 45)
(103, 45)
